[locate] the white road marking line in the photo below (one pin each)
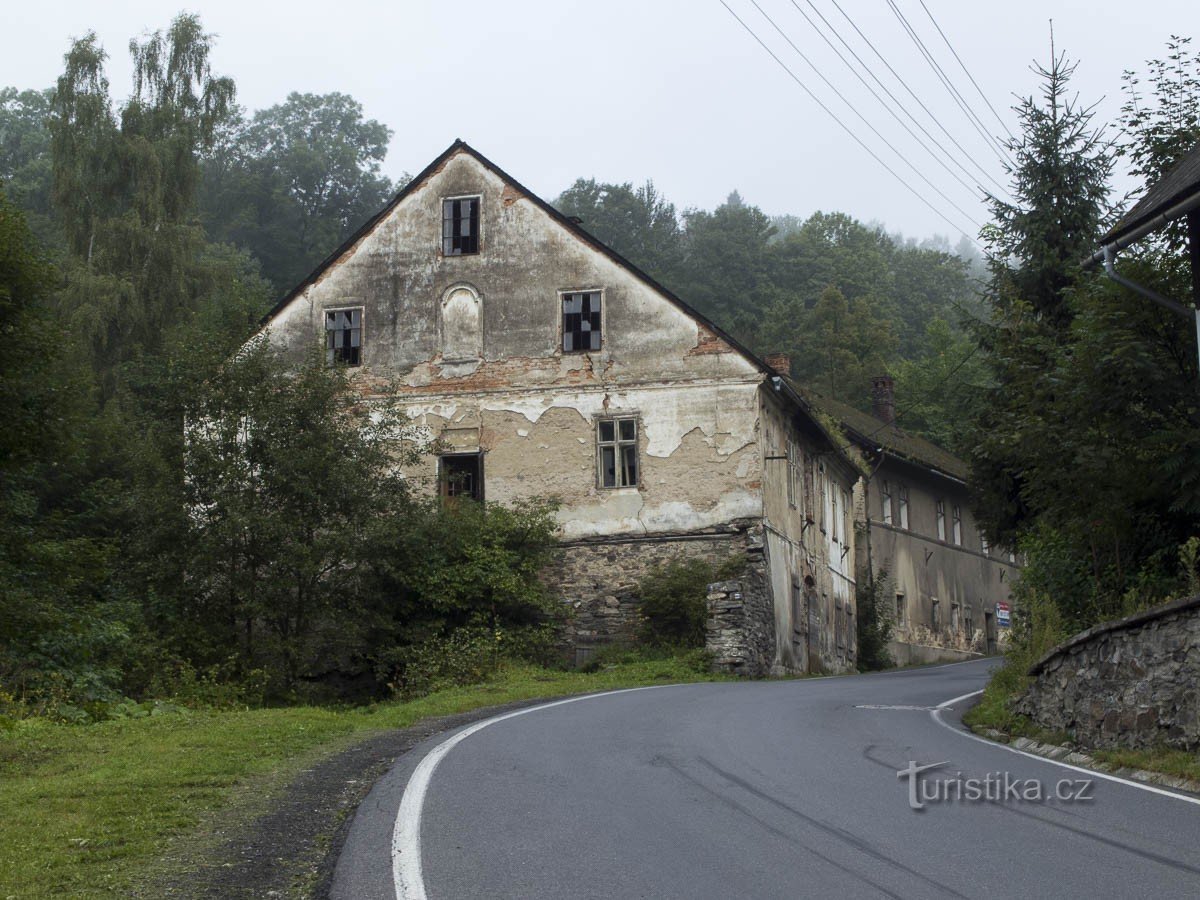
(406, 836)
(936, 714)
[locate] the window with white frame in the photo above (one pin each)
(957, 524)
(983, 546)
(836, 519)
(941, 520)
(904, 506)
(823, 487)
(795, 478)
(886, 495)
(617, 452)
(847, 529)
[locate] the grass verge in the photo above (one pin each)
(90, 809)
(994, 712)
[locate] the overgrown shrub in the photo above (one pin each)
(1038, 626)
(875, 622)
(673, 599)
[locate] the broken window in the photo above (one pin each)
(460, 226)
(957, 524)
(941, 520)
(461, 475)
(904, 506)
(935, 615)
(581, 321)
(887, 503)
(833, 500)
(343, 337)
(900, 617)
(616, 441)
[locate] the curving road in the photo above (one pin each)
(758, 789)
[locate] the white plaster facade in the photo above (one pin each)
(472, 345)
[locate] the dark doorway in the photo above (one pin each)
(461, 475)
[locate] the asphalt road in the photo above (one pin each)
(757, 789)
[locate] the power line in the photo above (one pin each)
(957, 97)
(852, 108)
(904, 109)
(911, 92)
(923, 396)
(1003, 124)
(845, 127)
(892, 112)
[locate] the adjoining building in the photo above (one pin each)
(537, 362)
(950, 589)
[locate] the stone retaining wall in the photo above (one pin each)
(597, 579)
(1134, 682)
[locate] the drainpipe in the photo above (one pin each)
(1110, 270)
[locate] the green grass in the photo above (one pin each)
(89, 810)
(1179, 763)
(994, 711)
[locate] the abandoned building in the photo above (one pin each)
(537, 362)
(950, 588)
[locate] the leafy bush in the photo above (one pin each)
(875, 622)
(1038, 626)
(673, 596)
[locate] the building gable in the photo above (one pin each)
(437, 320)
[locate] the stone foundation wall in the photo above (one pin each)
(1134, 682)
(741, 623)
(597, 579)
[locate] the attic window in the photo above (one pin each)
(343, 337)
(581, 321)
(460, 226)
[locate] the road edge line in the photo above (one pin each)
(936, 715)
(407, 874)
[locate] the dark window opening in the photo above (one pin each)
(581, 322)
(460, 226)
(617, 442)
(462, 476)
(343, 337)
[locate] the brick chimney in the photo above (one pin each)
(780, 362)
(883, 398)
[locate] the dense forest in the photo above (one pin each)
(142, 238)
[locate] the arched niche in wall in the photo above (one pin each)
(462, 324)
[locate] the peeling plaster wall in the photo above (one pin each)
(809, 561)
(924, 568)
(472, 347)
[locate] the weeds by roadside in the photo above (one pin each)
(92, 807)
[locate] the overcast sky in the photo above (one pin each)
(625, 90)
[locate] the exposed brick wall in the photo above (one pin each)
(1130, 683)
